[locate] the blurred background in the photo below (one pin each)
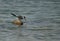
(43, 20)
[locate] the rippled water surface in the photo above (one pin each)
(43, 20)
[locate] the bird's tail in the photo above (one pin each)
(13, 14)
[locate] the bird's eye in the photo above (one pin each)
(24, 17)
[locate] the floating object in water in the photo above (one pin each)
(18, 21)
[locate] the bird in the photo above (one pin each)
(18, 21)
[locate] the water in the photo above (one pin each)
(43, 20)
